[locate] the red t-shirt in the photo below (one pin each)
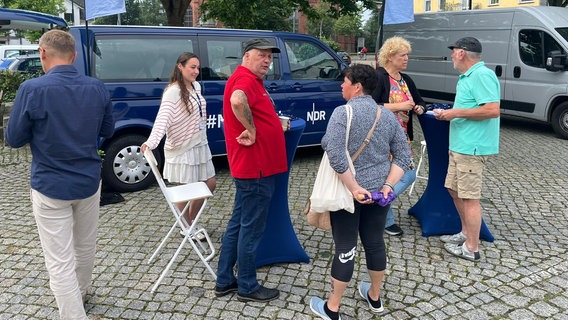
(267, 156)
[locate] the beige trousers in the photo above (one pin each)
(68, 234)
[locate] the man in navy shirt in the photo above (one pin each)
(61, 115)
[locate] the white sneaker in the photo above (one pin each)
(462, 252)
(195, 236)
(458, 238)
(364, 292)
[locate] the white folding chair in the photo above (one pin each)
(419, 166)
(180, 194)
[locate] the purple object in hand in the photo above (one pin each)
(379, 199)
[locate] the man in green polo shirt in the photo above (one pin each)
(474, 135)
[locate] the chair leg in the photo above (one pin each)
(192, 230)
(419, 166)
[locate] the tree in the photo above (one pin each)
(254, 14)
(175, 11)
(54, 7)
(348, 25)
(241, 14)
(152, 13)
(322, 25)
(130, 17)
(138, 12)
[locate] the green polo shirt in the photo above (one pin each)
(477, 86)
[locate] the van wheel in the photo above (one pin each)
(559, 120)
(124, 168)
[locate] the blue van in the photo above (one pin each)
(135, 63)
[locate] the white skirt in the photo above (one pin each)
(193, 166)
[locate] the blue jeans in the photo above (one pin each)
(405, 182)
(244, 232)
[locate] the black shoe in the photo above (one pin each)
(223, 291)
(263, 294)
(394, 230)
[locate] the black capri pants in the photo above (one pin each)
(368, 221)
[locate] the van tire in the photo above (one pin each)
(559, 120)
(124, 167)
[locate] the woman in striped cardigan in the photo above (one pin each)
(182, 119)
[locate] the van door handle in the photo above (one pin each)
(297, 86)
(272, 86)
(517, 72)
(498, 70)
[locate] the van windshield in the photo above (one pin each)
(563, 32)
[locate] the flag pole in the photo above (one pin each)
(379, 42)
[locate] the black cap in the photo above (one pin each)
(468, 44)
(262, 44)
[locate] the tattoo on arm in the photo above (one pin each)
(242, 102)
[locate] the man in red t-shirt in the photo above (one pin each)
(256, 152)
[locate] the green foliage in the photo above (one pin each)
(332, 44)
(275, 14)
(349, 25)
(142, 13)
(53, 7)
(241, 14)
(10, 82)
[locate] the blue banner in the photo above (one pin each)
(100, 8)
(398, 11)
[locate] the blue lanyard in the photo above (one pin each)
(198, 100)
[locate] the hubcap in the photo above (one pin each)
(130, 166)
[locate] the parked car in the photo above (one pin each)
(5, 63)
(25, 64)
(345, 56)
(10, 50)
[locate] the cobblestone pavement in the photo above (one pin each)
(522, 275)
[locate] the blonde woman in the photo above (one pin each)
(397, 92)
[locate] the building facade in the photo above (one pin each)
(421, 6)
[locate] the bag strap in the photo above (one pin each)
(369, 135)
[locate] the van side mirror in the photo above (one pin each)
(556, 61)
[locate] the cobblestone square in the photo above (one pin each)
(522, 275)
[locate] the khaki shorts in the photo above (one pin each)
(465, 175)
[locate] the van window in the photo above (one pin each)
(19, 52)
(225, 54)
(309, 61)
(563, 32)
(534, 46)
(137, 59)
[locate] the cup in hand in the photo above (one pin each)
(285, 122)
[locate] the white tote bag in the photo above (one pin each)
(329, 193)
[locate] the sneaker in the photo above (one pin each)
(195, 236)
(318, 307)
(263, 294)
(375, 306)
(458, 238)
(393, 230)
(223, 291)
(462, 252)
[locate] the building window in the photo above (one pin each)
(427, 5)
(493, 2)
(465, 4)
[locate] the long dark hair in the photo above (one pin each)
(177, 77)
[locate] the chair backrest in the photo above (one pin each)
(149, 155)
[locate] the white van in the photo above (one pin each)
(527, 48)
(10, 50)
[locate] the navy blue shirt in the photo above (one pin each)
(61, 115)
